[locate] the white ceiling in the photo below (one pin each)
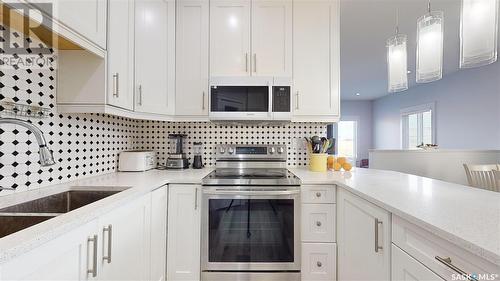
(365, 27)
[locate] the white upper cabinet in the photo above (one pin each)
(86, 17)
(250, 38)
(192, 58)
(363, 237)
(155, 56)
(316, 60)
(272, 38)
(230, 37)
(121, 54)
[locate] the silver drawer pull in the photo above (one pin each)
(319, 264)
(318, 223)
(318, 194)
(116, 85)
(109, 230)
(93, 271)
(377, 247)
(447, 261)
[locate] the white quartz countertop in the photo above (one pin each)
(467, 217)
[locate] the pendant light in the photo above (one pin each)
(397, 76)
(478, 32)
(429, 62)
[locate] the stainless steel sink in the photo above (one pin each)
(24, 215)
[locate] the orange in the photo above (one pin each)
(347, 166)
(341, 160)
(330, 161)
(337, 166)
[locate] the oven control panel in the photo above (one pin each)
(242, 151)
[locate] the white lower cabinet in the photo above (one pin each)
(406, 268)
(319, 261)
(319, 250)
(125, 242)
(363, 236)
(68, 257)
(158, 265)
(183, 242)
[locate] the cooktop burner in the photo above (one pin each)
(229, 176)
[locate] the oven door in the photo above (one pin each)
(244, 229)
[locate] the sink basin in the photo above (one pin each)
(24, 215)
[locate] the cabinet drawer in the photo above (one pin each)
(406, 268)
(318, 223)
(318, 194)
(319, 261)
(428, 248)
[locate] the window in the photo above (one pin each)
(345, 133)
(417, 126)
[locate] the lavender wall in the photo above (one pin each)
(467, 110)
(360, 111)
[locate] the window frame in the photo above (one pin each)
(336, 134)
(418, 109)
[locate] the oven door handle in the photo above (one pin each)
(250, 192)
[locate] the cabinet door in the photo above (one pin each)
(125, 242)
(316, 58)
(121, 53)
(230, 37)
(271, 38)
(155, 56)
(183, 242)
(192, 58)
(363, 237)
(87, 17)
(158, 234)
(407, 268)
(67, 257)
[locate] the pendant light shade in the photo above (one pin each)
(478, 32)
(429, 47)
(397, 63)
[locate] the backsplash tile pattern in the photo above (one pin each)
(210, 134)
(89, 144)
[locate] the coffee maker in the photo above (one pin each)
(176, 158)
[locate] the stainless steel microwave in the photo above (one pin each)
(250, 99)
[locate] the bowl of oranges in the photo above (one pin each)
(338, 163)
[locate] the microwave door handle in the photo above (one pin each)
(251, 192)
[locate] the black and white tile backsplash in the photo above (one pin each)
(89, 144)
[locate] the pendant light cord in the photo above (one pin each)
(429, 7)
(397, 21)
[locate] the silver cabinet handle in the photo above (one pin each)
(318, 223)
(140, 95)
(255, 63)
(246, 62)
(116, 85)
(93, 271)
(297, 100)
(109, 230)
(319, 264)
(377, 223)
(447, 261)
(196, 199)
(203, 101)
(318, 194)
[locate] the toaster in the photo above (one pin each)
(136, 161)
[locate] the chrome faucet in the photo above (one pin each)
(46, 158)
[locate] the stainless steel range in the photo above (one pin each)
(251, 216)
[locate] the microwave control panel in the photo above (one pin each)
(281, 99)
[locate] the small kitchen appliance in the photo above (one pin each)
(177, 158)
(197, 159)
(250, 216)
(250, 99)
(136, 161)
